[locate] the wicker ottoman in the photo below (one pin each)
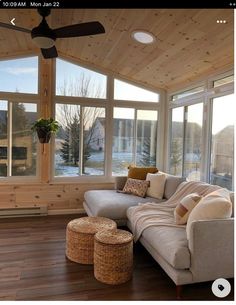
(113, 256)
(80, 237)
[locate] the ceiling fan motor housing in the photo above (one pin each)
(43, 36)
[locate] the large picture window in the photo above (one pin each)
(186, 141)
(222, 141)
(17, 142)
(134, 139)
(80, 142)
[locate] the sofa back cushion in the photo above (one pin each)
(172, 182)
(157, 185)
(216, 205)
(140, 172)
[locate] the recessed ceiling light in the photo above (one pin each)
(143, 37)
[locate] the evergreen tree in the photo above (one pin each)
(176, 155)
(70, 147)
(146, 158)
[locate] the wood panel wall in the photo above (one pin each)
(55, 196)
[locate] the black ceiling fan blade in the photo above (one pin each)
(49, 53)
(81, 29)
(14, 27)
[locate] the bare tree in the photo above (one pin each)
(74, 117)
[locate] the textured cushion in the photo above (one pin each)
(157, 184)
(136, 187)
(184, 207)
(170, 243)
(172, 182)
(109, 203)
(140, 172)
(216, 205)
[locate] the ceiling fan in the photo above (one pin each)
(45, 37)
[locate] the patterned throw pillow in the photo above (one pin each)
(184, 208)
(136, 187)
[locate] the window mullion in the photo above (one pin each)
(81, 144)
(184, 138)
(9, 150)
(135, 137)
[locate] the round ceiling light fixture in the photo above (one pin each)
(143, 36)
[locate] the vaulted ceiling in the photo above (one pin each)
(190, 43)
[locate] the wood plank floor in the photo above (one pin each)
(33, 266)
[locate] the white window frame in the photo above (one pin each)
(207, 98)
(12, 97)
(109, 103)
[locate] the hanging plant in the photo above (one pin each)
(44, 129)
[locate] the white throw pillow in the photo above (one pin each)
(157, 184)
(216, 205)
(184, 207)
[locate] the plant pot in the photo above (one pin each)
(44, 136)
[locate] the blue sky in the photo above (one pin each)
(19, 75)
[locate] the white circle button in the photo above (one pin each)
(221, 288)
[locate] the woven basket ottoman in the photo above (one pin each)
(113, 256)
(80, 237)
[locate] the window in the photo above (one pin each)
(187, 93)
(193, 142)
(134, 139)
(186, 141)
(223, 81)
(128, 92)
(19, 75)
(17, 142)
(73, 80)
(80, 142)
(222, 143)
(176, 148)
(146, 142)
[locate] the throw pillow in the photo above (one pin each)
(157, 185)
(184, 208)
(136, 187)
(216, 205)
(140, 172)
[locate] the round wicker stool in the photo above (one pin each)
(113, 256)
(80, 237)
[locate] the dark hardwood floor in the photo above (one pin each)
(33, 266)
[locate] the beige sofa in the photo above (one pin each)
(206, 256)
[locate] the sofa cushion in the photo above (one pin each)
(172, 182)
(184, 208)
(171, 243)
(109, 203)
(157, 185)
(140, 172)
(136, 187)
(215, 205)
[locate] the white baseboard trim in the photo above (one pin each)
(66, 211)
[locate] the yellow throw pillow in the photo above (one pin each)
(136, 187)
(140, 172)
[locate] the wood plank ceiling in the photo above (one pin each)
(190, 44)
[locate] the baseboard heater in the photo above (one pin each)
(23, 211)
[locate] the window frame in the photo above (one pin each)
(109, 103)
(206, 97)
(26, 99)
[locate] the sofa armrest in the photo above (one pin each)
(211, 246)
(120, 182)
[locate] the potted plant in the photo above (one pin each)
(44, 129)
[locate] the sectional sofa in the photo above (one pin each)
(206, 255)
